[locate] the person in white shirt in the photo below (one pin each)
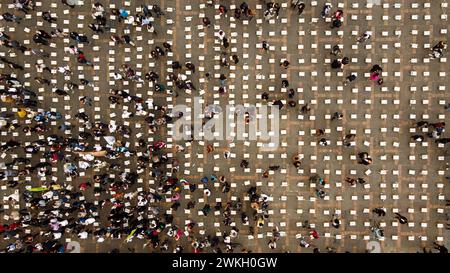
(221, 34)
(151, 28)
(83, 235)
(117, 76)
(64, 69)
(72, 50)
(89, 221)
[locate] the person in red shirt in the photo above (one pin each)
(338, 14)
(55, 157)
(222, 9)
(83, 186)
(81, 58)
(13, 226)
(314, 234)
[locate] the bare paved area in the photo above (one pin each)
(405, 177)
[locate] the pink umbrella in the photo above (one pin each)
(175, 197)
(374, 76)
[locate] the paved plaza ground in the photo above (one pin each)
(406, 177)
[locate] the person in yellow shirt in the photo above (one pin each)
(22, 113)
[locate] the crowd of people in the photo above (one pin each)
(109, 205)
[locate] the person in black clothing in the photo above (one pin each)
(379, 211)
(279, 103)
(336, 64)
(190, 66)
(237, 13)
(361, 180)
(443, 140)
(441, 248)
(336, 223)
(15, 44)
(43, 34)
(29, 103)
(336, 23)
(167, 46)
(176, 65)
(337, 115)
(225, 42)
(300, 8)
(345, 61)
(376, 69)
(79, 38)
(206, 22)
(235, 59)
(285, 64)
(9, 145)
(127, 40)
(244, 164)
(38, 39)
(61, 92)
(8, 17)
(48, 17)
(417, 138)
(291, 93)
(96, 27)
(402, 219)
(349, 79)
(157, 10)
(336, 51)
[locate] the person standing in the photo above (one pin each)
(349, 79)
(402, 219)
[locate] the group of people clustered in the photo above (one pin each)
(57, 208)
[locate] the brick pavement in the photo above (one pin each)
(381, 117)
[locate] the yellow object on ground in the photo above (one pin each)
(22, 113)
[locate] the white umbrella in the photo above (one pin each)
(110, 139)
(72, 2)
(15, 196)
(3, 122)
(88, 157)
